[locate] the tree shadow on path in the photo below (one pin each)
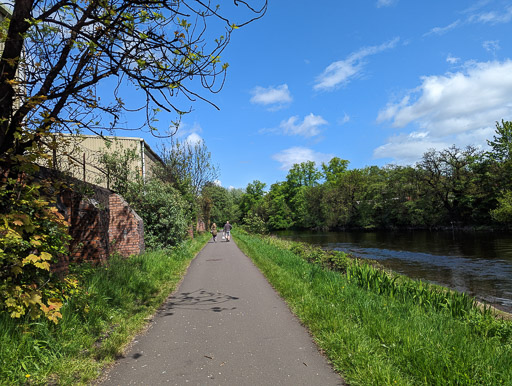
(199, 300)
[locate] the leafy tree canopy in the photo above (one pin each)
(333, 171)
(501, 143)
(303, 174)
(58, 52)
(253, 197)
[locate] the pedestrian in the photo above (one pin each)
(227, 230)
(213, 231)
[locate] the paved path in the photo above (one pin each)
(224, 326)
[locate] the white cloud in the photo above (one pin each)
(309, 127)
(342, 71)
(456, 108)
(491, 46)
(406, 149)
(385, 3)
(275, 97)
(185, 129)
(493, 17)
(452, 60)
(456, 102)
(476, 6)
(345, 119)
(193, 139)
(217, 182)
(443, 30)
(296, 155)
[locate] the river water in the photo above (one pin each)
(479, 264)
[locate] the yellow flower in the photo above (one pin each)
(27, 376)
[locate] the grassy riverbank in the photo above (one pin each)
(113, 304)
(379, 328)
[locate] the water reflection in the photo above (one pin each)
(479, 264)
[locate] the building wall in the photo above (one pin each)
(3, 14)
(75, 151)
(101, 223)
(88, 220)
(126, 228)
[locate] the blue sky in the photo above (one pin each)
(372, 81)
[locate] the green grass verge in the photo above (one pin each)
(377, 339)
(113, 305)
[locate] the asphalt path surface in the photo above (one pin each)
(225, 325)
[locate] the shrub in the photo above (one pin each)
(254, 223)
(164, 212)
(32, 236)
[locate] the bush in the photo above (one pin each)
(164, 212)
(254, 223)
(32, 236)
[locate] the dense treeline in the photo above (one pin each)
(453, 187)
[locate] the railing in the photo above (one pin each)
(84, 166)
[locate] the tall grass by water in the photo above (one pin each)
(114, 303)
(380, 328)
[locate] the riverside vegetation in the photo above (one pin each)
(454, 187)
(104, 308)
(377, 327)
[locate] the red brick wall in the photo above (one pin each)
(126, 228)
(100, 223)
(89, 230)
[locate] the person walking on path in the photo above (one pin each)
(213, 230)
(227, 230)
(224, 325)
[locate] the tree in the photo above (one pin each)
(499, 169)
(234, 212)
(57, 53)
(303, 174)
(117, 164)
(352, 188)
(252, 199)
(333, 171)
(503, 211)
(400, 198)
(220, 203)
(299, 179)
(502, 142)
(188, 165)
(278, 212)
(448, 176)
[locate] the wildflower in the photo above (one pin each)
(27, 376)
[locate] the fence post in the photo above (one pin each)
(54, 151)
